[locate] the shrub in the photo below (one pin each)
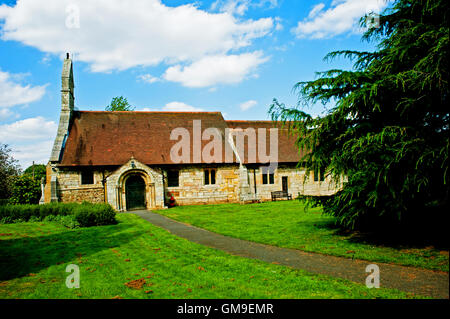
(68, 220)
(94, 215)
(25, 190)
(71, 215)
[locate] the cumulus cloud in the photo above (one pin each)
(39, 152)
(239, 7)
(148, 78)
(212, 70)
(118, 34)
(247, 105)
(341, 17)
(30, 139)
(173, 107)
(30, 129)
(7, 113)
(13, 93)
(180, 107)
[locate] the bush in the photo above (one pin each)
(25, 190)
(94, 215)
(69, 220)
(71, 215)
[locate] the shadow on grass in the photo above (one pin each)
(22, 256)
(412, 238)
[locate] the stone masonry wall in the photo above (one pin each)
(70, 188)
(296, 183)
(191, 189)
(93, 195)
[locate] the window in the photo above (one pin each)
(87, 177)
(319, 174)
(268, 178)
(173, 178)
(210, 176)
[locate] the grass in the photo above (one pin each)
(34, 256)
(286, 224)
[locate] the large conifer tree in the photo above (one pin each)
(389, 130)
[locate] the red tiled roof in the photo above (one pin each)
(287, 149)
(112, 138)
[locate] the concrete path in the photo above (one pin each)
(408, 279)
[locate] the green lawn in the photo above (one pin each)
(286, 224)
(34, 256)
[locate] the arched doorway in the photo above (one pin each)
(135, 192)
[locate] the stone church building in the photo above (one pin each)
(140, 159)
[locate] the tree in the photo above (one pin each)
(388, 132)
(25, 190)
(119, 103)
(40, 171)
(8, 169)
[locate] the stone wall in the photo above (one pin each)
(93, 195)
(298, 183)
(70, 189)
(192, 190)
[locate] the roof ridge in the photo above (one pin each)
(164, 112)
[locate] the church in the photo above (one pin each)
(148, 160)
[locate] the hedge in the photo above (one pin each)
(71, 215)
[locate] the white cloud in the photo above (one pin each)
(7, 113)
(247, 105)
(239, 7)
(278, 25)
(13, 93)
(30, 139)
(148, 78)
(30, 129)
(342, 16)
(180, 107)
(316, 9)
(119, 34)
(173, 107)
(217, 69)
(38, 152)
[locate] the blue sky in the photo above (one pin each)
(232, 56)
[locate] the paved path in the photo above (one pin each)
(408, 279)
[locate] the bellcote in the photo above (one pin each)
(67, 86)
(67, 106)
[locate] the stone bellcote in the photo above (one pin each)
(67, 86)
(67, 106)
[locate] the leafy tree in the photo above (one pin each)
(25, 190)
(40, 171)
(388, 132)
(8, 169)
(119, 103)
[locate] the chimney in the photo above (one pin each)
(67, 105)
